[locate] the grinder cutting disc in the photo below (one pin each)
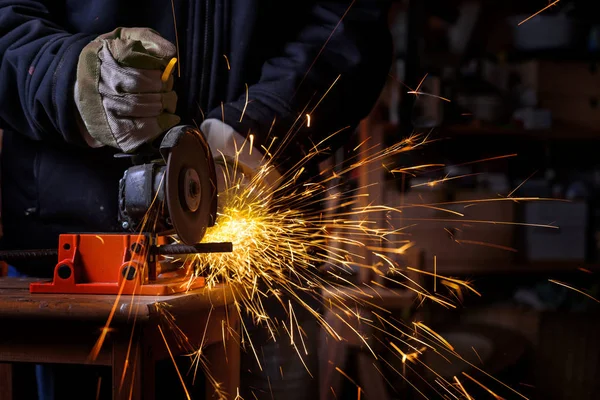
(190, 183)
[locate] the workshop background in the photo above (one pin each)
(530, 89)
(533, 90)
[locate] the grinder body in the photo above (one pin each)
(171, 187)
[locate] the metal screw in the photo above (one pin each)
(125, 225)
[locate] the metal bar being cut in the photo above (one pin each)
(170, 249)
(173, 249)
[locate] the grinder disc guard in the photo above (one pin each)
(175, 179)
(190, 184)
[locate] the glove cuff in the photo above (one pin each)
(225, 142)
(88, 98)
(89, 140)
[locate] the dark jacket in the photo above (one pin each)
(288, 52)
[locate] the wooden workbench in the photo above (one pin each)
(60, 329)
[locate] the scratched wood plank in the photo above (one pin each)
(17, 302)
(17, 283)
(6, 380)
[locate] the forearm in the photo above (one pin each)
(38, 61)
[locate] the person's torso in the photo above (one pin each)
(52, 187)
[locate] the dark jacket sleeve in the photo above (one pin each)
(38, 61)
(353, 43)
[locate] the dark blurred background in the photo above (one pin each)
(530, 91)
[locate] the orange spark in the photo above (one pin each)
(428, 94)
(576, 290)
(325, 44)
(420, 83)
(496, 246)
(338, 369)
(174, 363)
(539, 12)
(245, 104)
(435, 273)
(484, 387)
(477, 354)
(522, 183)
(433, 183)
(176, 39)
(462, 388)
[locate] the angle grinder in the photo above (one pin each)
(171, 187)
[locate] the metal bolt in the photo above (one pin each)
(129, 272)
(194, 189)
(64, 272)
(125, 225)
(137, 247)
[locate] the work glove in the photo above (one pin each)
(236, 163)
(124, 88)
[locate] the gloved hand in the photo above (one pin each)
(234, 159)
(121, 98)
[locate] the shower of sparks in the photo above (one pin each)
(287, 246)
(539, 12)
(303, 240)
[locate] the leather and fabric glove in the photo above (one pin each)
(122, 98)
(233, 158)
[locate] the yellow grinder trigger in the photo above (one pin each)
(168, 70)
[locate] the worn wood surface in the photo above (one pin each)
(6, 377)
(17, 302)
(39, 328)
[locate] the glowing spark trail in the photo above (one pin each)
(282, 238)
(539, 12)
(574, 289)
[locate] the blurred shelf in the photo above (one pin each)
(478, 268)
(570, 54)
(558, 132)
